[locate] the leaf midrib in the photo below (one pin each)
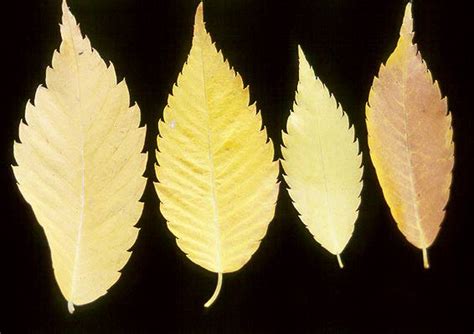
(211, 165)
(408, 152)
(83, 169)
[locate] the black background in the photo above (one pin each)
(291, 284)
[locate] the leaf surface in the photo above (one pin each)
(322, 163)
(80, 165)
(217, 178)
(410, 140)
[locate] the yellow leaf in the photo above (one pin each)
(79, 166)
(217, 181)
(410, 140)
(322, 163)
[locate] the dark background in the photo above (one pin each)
(291, 284)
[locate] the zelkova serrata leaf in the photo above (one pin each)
(217, 178)
(322, 163)
(411, 141)
(80, 165)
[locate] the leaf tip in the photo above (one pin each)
(300, 51)
(65, 8)
(199, 18)
(301, 55)
(407, 25)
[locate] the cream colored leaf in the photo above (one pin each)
(410, 140)
(217, 181)
(322, 163)
(80, 165)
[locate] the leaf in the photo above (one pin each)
(80, 165)
(322, 163)
(217, 181)
(410, 140)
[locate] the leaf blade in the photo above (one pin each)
(77, 164)
(322, 163)
(214, 162)
(409, 129)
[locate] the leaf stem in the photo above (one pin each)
(70, 307)
(339, 260)
(216, 292)
(426, 263)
